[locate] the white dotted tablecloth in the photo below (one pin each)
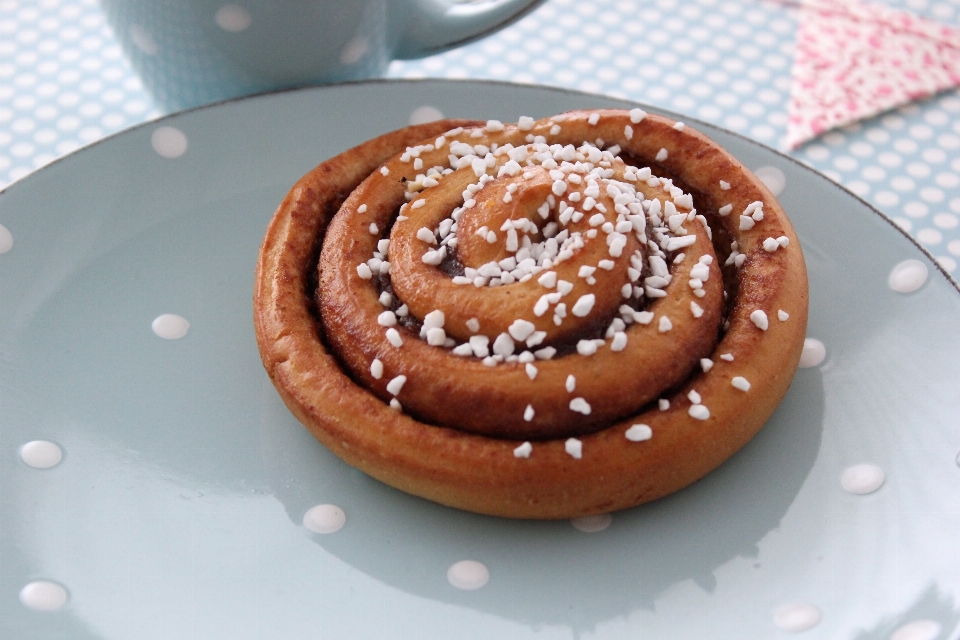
(64, 83)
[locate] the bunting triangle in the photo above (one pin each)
(855, 60)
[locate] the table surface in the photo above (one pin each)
(64, 83)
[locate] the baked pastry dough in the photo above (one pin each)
(542, 320)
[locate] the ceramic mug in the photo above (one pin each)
(193, 52)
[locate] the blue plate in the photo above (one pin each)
(177, 509)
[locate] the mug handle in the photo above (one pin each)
(434, 25)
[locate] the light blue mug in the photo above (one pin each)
(193, 52)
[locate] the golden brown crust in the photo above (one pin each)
(481, 473)
(446, 389)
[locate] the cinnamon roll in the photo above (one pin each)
(545, 319)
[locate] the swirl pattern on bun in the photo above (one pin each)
(547, 319)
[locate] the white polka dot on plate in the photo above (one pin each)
(861, 479)
(813, 353)
(169, 142)
(917, 630)
(907, 276)
(6, 239)
(43, 595)
(233, 18)
(170, 326)
(592, 524)
(41, 454)
(424, 114)
(324, 518)
(796, 617)
(468, 575)
(773, 177)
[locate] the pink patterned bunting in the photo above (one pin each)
(855, 60)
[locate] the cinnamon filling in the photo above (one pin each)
(520, 263)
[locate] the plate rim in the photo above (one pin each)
(158, 121)
(20, 184)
